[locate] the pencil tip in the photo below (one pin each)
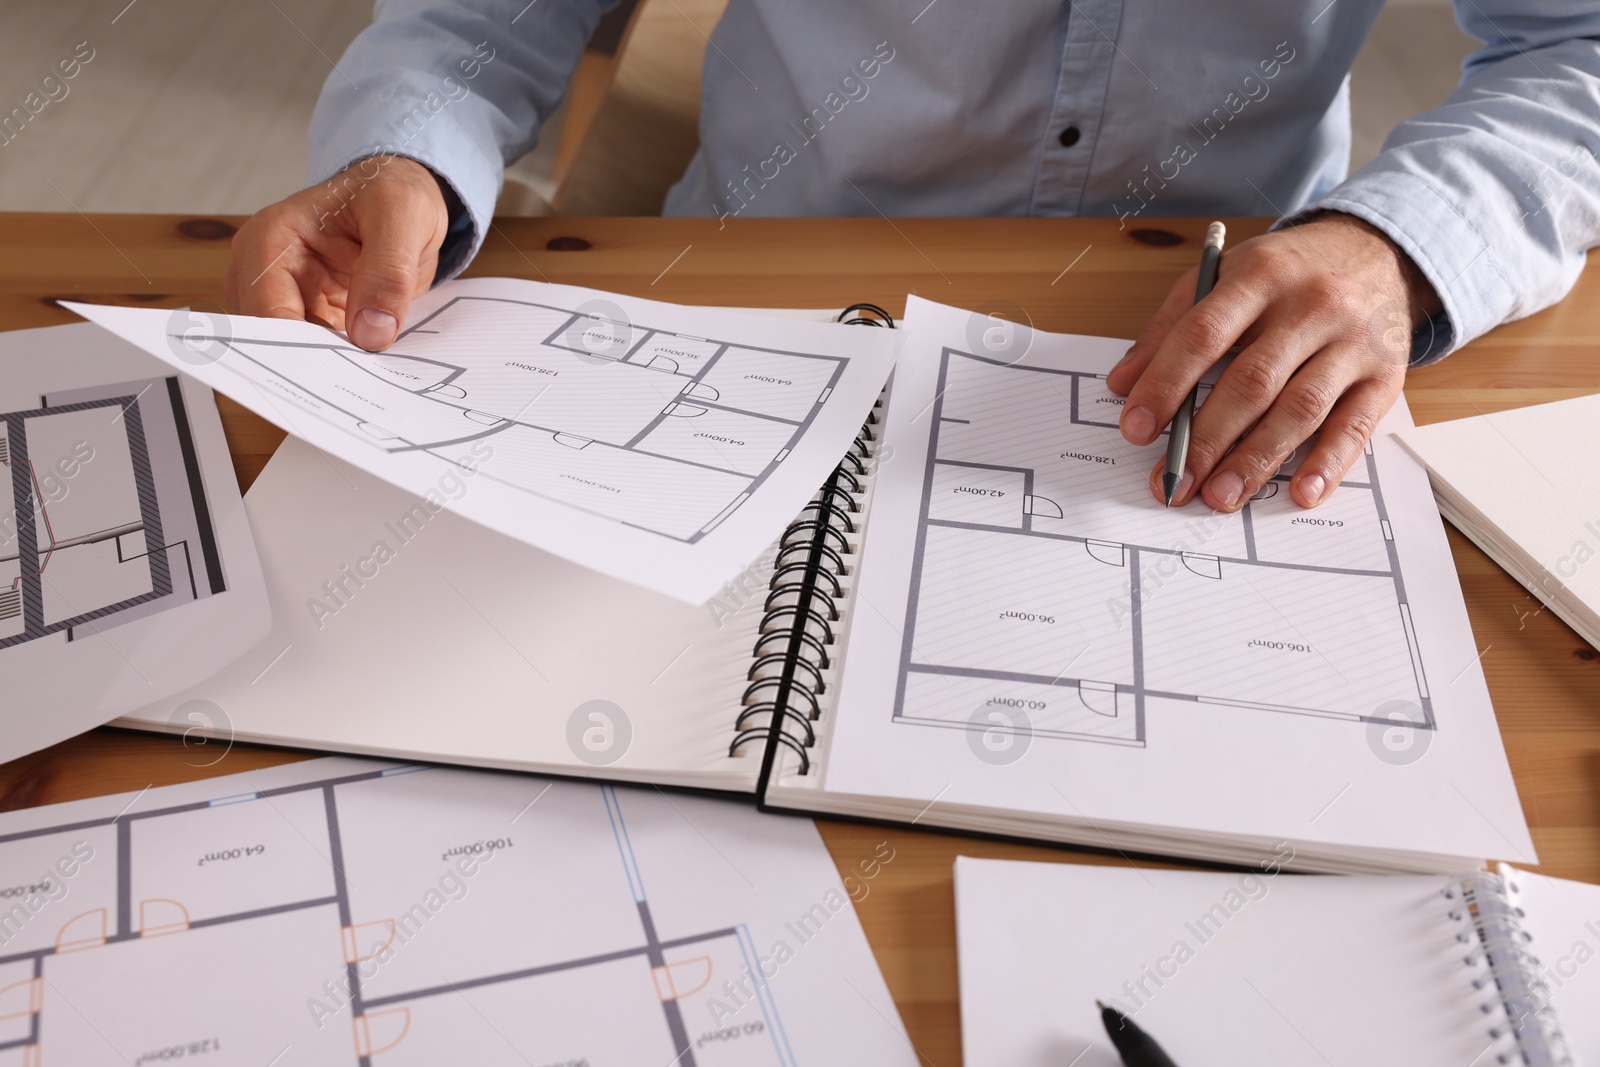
(1100, 1004)
(1169, 486)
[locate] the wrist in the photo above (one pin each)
(1406, 281)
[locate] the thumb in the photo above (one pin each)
(385, 277)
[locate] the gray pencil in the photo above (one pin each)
(1178, 438)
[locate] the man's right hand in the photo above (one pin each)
(353, 252)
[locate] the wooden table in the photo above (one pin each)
(1544, 679)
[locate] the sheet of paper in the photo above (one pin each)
(127, 567)
(1562, 918)
(1041, 635)
(345, 912)
(412, 635)
(1252, 968)
(1529, 473)
(661, 444)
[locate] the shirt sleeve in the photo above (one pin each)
(460, 86)
(1495, 194)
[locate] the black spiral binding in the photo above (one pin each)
(802, 609)
(1517, 1005)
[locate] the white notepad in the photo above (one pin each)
(1521, 485)
(1275, 969)
(403, 629)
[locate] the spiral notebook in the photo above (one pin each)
(1267, 968)
(1026, 682)
(412, 632)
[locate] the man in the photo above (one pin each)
(1476, 213)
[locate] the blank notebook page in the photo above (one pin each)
(1530, 472)
(1563, 919)
(1241, 969)
(427, 636)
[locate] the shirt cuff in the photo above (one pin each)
(1446, 247)
(458, 246)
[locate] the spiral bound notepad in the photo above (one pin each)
(808, 597)
(413, 633)
(1268, 968)
(980, 621)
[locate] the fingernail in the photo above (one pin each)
(1227, 487)
(374, 328)
(1311, 487)
(1185, 484)
(1125, 357)
(1138, 425)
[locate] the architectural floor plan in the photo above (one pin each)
(665, 432)
(348, 912)
(103, 513)
(1046, 579)
(128, 570)
(1035, 645)
(662, 444)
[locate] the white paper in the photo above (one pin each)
(127, 567)
(1562, 921)
(1528, 475)
(414, 635)
(1281, 971)
(660, 444)
(330, 911)
(1041, 636)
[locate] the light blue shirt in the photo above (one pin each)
(1039, 107)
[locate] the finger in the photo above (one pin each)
(1201, 336)
(325, 303)
(274, 291)
(1133, 362)
(261, 274)
(1295, 415)
(1243, 394)
(1343, 439)
(386, 275)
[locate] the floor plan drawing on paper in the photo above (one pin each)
(1045, 579)
(662, 431)
(302, 916)
(656, 443)
(103, 513)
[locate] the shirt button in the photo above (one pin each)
(1069, 136)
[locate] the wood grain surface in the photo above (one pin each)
(1077, 275)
